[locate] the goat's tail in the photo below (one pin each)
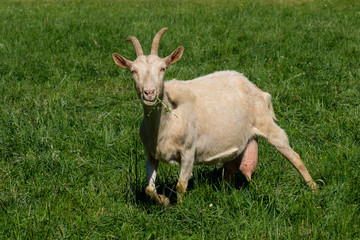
(267, 97)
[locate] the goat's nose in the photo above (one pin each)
(149, 92)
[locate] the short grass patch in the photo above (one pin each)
(71, 161)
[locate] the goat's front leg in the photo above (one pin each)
(186, 168)
(151, 170)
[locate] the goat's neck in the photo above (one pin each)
(155, 116)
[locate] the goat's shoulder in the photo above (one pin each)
(179, 93)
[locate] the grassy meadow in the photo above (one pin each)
(71, 161)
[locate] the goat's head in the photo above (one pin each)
(148, 71)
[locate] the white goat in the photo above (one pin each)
(214, 119)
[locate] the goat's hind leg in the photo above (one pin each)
(277, 137)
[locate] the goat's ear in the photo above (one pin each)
(121, 61)
(174, 56)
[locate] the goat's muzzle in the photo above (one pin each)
(149, 96)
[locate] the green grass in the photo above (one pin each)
(71, 162)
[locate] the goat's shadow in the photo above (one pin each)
(212, 177)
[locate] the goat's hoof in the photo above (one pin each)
(180, 198)
(162, 200)
(313, 186)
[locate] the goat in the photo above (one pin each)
(214, 120)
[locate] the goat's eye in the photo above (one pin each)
(133, 72)
(162, 69)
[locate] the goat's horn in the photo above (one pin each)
(136, 44)
(156, 41)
